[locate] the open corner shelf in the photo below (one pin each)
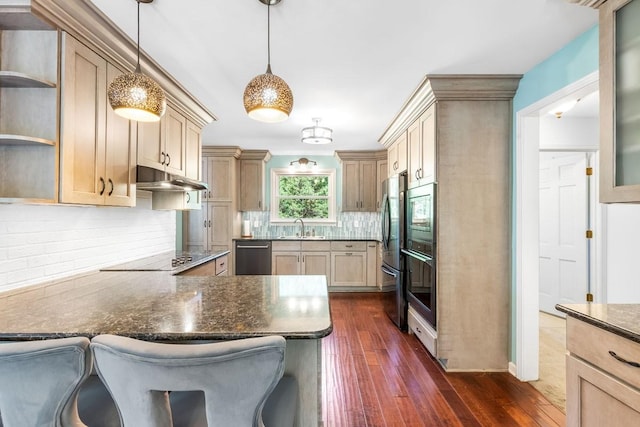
(8, 139)
(12, 79)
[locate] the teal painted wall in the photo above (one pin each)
(574, 61)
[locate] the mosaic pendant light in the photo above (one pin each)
(267, 97)
(135, 96)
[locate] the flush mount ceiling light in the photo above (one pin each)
(135, 96)
(317, 134)
(303, 164)
(267, 97)
(560, 109)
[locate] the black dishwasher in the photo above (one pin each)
(253, 257)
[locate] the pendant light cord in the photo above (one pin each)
(269, 38)
(138, 60)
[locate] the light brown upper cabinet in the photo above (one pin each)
(397, 155)
(193, 163)
(422, 143)
(161, 145)
(59, 139)
(252, 177)
(97, 146)
(619, 101)
(382, 175)
(360, 179)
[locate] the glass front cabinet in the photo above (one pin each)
(620, 101)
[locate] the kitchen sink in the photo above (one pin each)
(302, 237)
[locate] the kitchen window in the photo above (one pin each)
(309, 195)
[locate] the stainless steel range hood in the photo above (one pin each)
(156, 180)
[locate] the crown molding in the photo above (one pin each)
(447, 87)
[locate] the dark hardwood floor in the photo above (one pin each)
(375, 375)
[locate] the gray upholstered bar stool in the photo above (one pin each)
(39, 381)
(231, 383)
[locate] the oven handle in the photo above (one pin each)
(388, 272)
(418, 256)
(253, 247)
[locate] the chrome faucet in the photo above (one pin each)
(301, 226)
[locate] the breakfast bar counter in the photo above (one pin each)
(156, 306)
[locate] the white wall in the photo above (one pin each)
(43, 243)
(622, 249)
(568, 132)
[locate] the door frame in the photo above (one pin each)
(526, 215)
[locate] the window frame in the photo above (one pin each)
(276, 173)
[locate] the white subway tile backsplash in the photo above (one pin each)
(43, 243)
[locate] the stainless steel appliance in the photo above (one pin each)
(392, 220)
(253, 257)
(420, 251)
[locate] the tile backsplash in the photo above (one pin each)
(360, 225)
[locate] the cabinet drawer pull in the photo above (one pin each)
(349, 254)
(168, 159)
(103, 186)
(205, 223)
(623, 360)
(163, 157)
(348, 246)
(188, 196)
(111, 183)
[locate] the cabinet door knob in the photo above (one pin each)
(104, 186)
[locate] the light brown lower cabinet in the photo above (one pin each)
(349, 263)
(597, 399)
(601, 389)
(215, 267)
(305, 258)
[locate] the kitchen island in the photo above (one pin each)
(603, 364)
(156, 306)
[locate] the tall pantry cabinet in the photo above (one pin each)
(460, 129)
(213, 226)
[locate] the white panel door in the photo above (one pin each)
(563, 225)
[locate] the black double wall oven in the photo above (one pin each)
(420, 250)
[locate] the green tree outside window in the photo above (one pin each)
(303, 196)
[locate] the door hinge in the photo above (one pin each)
(589, 297)
(589, 234)
(589, 171)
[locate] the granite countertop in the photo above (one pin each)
(163, 262)
(155, 305)
(620, 319)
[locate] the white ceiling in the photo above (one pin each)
(351, 62)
